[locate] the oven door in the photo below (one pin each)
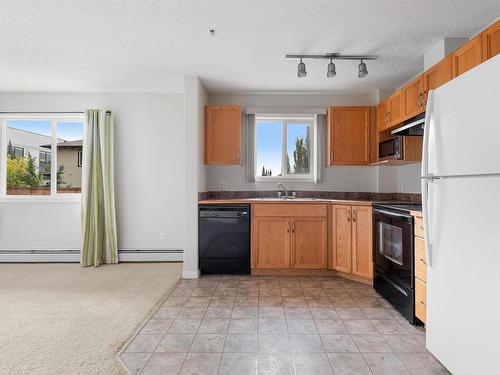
(393, 246)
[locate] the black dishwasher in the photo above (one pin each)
(224, 239)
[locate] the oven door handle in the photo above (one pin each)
(389, 213)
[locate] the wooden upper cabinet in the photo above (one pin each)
(437, 75)
(271, 242)
(342, 238)
(395, 108)
(362, 264)
(383, 115)
(413, 102)
(222, 134)
(309, 243)
(468, 56)
(491, 41)
(348, 136)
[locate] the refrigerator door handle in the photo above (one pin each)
(427, 178)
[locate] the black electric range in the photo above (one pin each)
(393, 255)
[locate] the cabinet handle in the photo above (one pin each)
(423, 261)
(353, 215)
(424, 98)
(293, 227)
(349, 215)
(238, 155)
(288, 227)
(331, 155)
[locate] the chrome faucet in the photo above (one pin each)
(281, 186)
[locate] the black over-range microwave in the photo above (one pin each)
(392, 149)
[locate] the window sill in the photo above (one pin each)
(284, 179)
(66, 198)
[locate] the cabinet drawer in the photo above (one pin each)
(420, 300)
(420, 261)
(419, 227)
(290, 210)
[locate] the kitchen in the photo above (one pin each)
(377, 239)
(257, 187)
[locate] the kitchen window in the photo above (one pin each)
(41, 156)
(285, 148)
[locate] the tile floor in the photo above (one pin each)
(278, 325)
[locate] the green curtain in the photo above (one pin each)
(99, 243)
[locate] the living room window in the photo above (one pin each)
(41, 155)
(284, 148)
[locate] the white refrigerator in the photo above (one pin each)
(461, 208)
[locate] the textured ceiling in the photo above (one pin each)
(139, 46)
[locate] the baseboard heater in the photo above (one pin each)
(73, 255)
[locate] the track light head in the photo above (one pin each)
(301, 69)
(362, 71)
(330, 73)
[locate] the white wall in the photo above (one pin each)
(149, 175)
(442, 49)
(399, 179)
(338, 178)
(195, 171)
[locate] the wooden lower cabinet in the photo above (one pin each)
(420, 300)
(271, 239)
(420, 271)
(362, 262)
(352, 239)
(309, 243)
(342, 238)
(283, 241)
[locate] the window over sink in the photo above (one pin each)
(285, 148)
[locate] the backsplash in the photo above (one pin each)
(369, 196)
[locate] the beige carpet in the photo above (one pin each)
(62, 319)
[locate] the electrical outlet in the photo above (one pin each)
(222, 186)
(163, 236)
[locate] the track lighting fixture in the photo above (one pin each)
(331, 72)
(301, 69)
(363, 72)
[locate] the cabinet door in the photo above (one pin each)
(420, 300)
(382, 116)
(362, 263)
(341, 238)
(309, 243)
(395, 108)
(491, 41)
(468, 56)
(413, 102)
(438, 75)
(222, 134)
(271, 242)
(348, 135)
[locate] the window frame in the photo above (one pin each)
(14, 148)
(287, 120)
(54, 196)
